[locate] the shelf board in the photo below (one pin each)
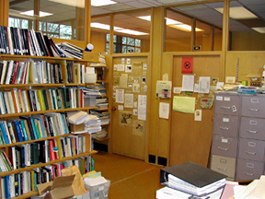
(45, 164)
(43, 112)
(101, 139)
(26, 195)
(31, 141)
(44, 85)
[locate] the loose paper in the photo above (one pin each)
(204, 83)
(128, 100)
(177, 90)
(163, 110)
(163, 89)
(187, 82)
(184, 104)
(120, 95)
(124, 81)
(142, 100)
(120, 67)
(138, 127)
(136, 88)
(198, 115)
(128, 68)
(120, 107)
(125, 118)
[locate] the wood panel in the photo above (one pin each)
(249, 63)
(124, 140)
(191, 140)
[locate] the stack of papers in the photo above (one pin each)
(95, 181)
(93, 124)
(101, 63)
(78, 117)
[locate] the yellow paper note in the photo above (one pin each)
(184, 104)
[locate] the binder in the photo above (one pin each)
(192, 178)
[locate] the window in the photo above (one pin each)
(18, 23)
(124, 44)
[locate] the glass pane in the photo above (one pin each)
(43, 26)
(124, 49)
(66, 13)
(100, 33)
(53, 28)
(114, 48)
(137, 50)
(130, 49)
(139, 29)
(65, 32)
(204, 36)
(178, 32)
(244, 35)
(124, 40)
(138, 42)
(115, 38)
(130, 41)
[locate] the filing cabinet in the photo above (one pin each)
(238, 144)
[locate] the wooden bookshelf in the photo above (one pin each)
(45, 164)
(26, 195)
(49, 111)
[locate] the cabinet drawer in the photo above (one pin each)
(224, 146)
(225, 125)
(253, 106)
(251, 149)
(249, 170)
(227, 104)
(224, 165)
(252, 128)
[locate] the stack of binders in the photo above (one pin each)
(189, 181)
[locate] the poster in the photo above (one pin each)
(187, 65)
(142, 103)
(125, 118)
(138, 127)
(163, 89)
(119, 95)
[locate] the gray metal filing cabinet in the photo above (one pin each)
(238, 135)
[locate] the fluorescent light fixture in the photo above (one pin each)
(238, 13)
(74, 3)
(117, 29)
(259, 29)
(173, 23)
(102, 2)
(31, 13)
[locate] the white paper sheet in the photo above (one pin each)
(163, 110)
(142, 100)
(187, 82)
(204, 83)
(120, 95)
(128, 100)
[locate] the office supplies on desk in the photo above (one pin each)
(192, 178)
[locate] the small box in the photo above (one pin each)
(100, 191)
(90, 78)
(77, 127)
(91, 56)
(61, 187)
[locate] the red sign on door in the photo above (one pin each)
(187, 65)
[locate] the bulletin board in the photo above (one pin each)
(190, 139)
(129, 100)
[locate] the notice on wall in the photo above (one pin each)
(136, 88)
(128, 100)
(124, 81)
(142, 103)
(163, 110)
(119, 95)
(138, 127)
(184, 104)
(187, 82)
(163, 89)
(204, 84)
(125, 118)
(187, 65)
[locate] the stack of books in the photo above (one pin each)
(191, 180)
(70, 50)
(101, 61)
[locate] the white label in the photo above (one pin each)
(101, 188)
(120, 107)
(253, 122)
(227, 99)
(224, 140)
(250, 165)
(254, 100)
(219, 98)
(225, 119)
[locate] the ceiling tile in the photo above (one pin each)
(120, 8)
(175, 1)
(252, 2)
(137, 4)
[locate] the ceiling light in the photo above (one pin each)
(117, 29)
(74, 3)
(238, 13)
(259, 29)
(173, 23)
(31, 13)
(102, 2)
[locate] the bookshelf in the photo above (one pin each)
(36, 93)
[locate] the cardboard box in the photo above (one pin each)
(90, 56)
(60, 188)
(77, 128)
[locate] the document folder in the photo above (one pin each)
(192, 178)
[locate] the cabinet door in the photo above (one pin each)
(227, 104)
(253, 106)
(251, 149)
(225, 125)
(253, 128)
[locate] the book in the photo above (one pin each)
(192, 178)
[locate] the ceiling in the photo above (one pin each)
(205, 12)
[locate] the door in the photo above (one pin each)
(129, 102)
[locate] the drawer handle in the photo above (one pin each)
(253, 109)
(226, 107)
(224, 128)
(250, 153)
(222, 169)
(224, 149)
(254, 132)
(249, 174)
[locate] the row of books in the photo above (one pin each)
(20, 101)
(41, 72)
(27, 128)
(16, 41)
(21, 183)
(25, 155)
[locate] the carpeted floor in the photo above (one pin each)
(130, 178)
